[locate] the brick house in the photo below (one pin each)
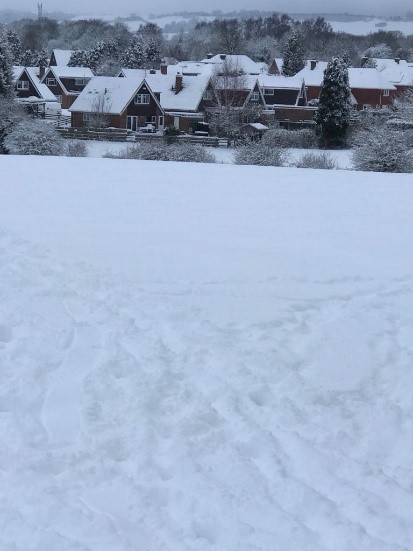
(122, 102)
(28, 85)
(66, 83)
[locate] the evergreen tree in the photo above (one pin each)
(293, 56)
(42, 58)
(29, 59)
(79, 58)
(334, 110)
(14, 47)
(134, 56)
(6, 72)
(152, 52)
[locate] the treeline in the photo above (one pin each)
(109, 45)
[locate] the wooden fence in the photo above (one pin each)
(123, 135)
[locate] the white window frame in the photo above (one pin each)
(81, 81)
(142, 99)
(23, 85)
(87, 117)
(255, 96)
(269, 91)
(208, 95)
(386, 92)
(51, 81)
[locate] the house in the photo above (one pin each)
(60, 58)
(369, 87)
(276, 66)
(397, 71)
(119, 103)
(227, 63)
(28, 85)
(66, 83)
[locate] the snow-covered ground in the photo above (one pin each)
(371, 26)
(223, 155)
(204, 357)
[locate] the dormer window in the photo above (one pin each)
(142, 99)
(208, 95)
(81, 81)
(51, 81)
(255, 96)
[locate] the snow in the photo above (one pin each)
(372, 26)
(204, 357)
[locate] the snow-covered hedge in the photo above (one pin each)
(281, 137)
(160, 151)
(381, 149)
(316, 160)
(76, 148)
(33, 137)
(261, 154)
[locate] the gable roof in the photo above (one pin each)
(42, 89)
(62, 57)
(188, 99)
(118, 93)
(69, 72)
(398, 72)
(239, 62)
(279, 81)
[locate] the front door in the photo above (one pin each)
(161, 122)
(132, 123)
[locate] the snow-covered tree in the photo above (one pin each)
(334, 109)
(381, 149)
(29, 58)
(34, 137)
(134, 56)
(79, 58)
(14, 47)
(381, 51)
(152, 52)
(10, 115)
(6, 74)
(261, 154)
(293, 56)
(42, 58)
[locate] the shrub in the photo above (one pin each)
(381, 149)
(261, 154)
(76, 148)
(160, 151)
(280, 137)
(33, 137)
(316, 160)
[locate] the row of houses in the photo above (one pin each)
(187, 93)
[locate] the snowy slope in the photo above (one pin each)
(203, 357)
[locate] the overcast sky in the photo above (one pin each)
(144, 7)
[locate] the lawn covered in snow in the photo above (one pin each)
(199, 357)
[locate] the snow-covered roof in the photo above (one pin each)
(70, 72)
(237, 82)
(187, 99)
(366, 78)
(279, 81)
(256, 126)
(17, 71)
(398, 72)
(134, 73)
(238, 63)
(62, 57)
(43, 90)
(117, 93)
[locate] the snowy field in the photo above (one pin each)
(368, 26)
(204, 357)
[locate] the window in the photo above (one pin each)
(81, 81)
(22, 85)
(386, 92)
(268, 91)
(142, 99)
(87, 117)
(132, 123)
(153, 120)
(51, 81)
(161, 120)
(208, 95)
(255, 96)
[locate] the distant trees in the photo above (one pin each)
(334, 109)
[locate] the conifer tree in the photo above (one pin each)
(6, 73)
(134, 56)
(14, 47)
(152, 52)
(293, 56)
(29, 58)
(79, 58)
(334, 110)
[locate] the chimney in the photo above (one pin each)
(178, 83)
(397, 60)
(42, 71)
(164, 68)
(313, 64)
(210, 56)
(152, 71)
(364, 60)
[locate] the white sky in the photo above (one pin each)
(144, 7)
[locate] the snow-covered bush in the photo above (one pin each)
(11, 113)
(382, 149)
(33, 137)
(281, 137)
(316, 160)
(261, 154)
(76, 148)
(159, 151)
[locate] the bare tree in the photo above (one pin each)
(99, 116)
